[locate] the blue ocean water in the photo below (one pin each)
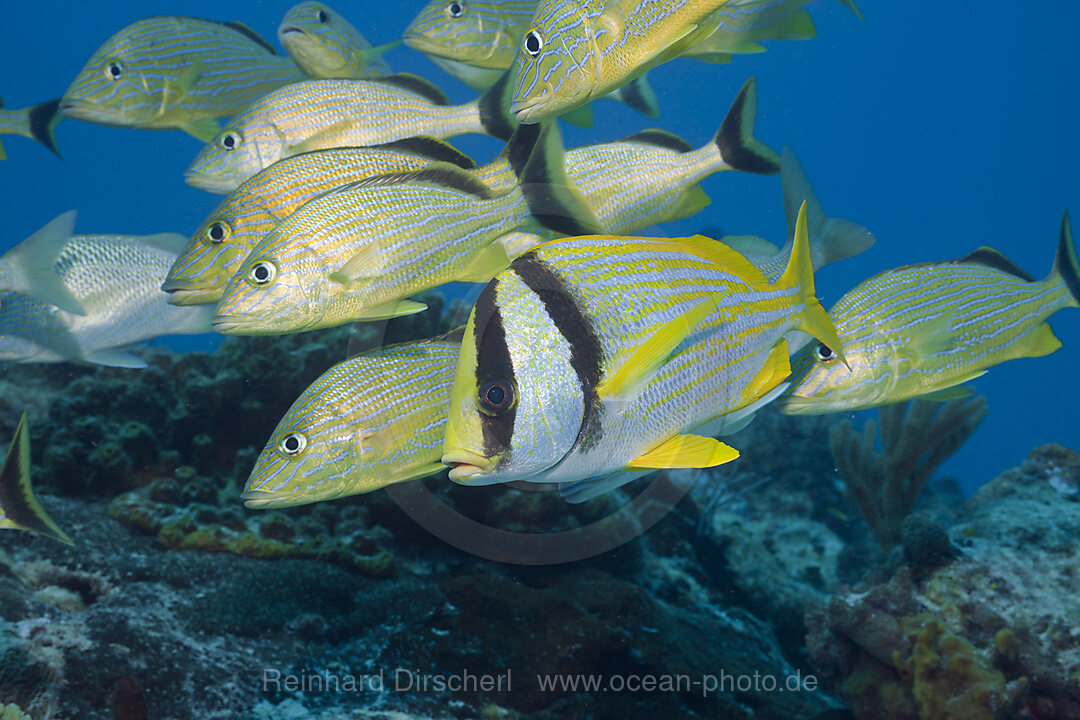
(940, 129)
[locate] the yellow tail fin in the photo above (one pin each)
(800, 274)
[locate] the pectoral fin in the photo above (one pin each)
(366, 263)
(685, 451)
(204, 129)
(485, 264)
(956, 392)
(651, 353)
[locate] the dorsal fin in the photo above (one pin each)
(659, 138)
(418, 86)
(444, 174)
(432, 149)
(455, 335)
(993, 259)
(250, 35)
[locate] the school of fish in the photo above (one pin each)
(592, 355)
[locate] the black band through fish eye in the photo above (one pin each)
(533, 43)
(496, 396)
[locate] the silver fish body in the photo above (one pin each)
(116, 280)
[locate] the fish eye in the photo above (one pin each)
(218, 232)
(456, 9)
(534, 43)
(262, 273)
(496, 397)
(113, 71)
(230, 141)
(825, 353)
(292, 444)
(322, 16)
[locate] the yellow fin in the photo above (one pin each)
(581, 117)
(485, 264)
(776, 369)
(955, 392)
(21, 508)
(800, 274)
(366, 263)
(3, 154)
(205, 129)
(723, 256)
(398, 308)
(933, 337)
(1040, 341)
(190, 76)
(685, 451)
(651, 353)
(691, 202)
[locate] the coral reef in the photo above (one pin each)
(915, 439)
(988, 635)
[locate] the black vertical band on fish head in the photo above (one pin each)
(586, 354)
(493, 363)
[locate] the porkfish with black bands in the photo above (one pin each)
(594, 356)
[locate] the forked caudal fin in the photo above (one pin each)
(735, 138)
(1065, 261)
(831, 239)
(36, 257)
(553, 199)
(43, 121)
(800, 274)
(19, 508)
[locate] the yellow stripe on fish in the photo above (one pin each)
(176, 72)
(576, 51)
(926, 329)
(229, 234)
(356, 253)
(371, 421)
(320, 114)
(326, 45)
(595, 355)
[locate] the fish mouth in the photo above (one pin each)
(527, 111)
(260, 500)
(795, 405)
(231, 324)
(293, 29)
(209, 183)
(183, 292)
(466, 466)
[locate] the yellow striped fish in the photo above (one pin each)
(926, 329)
(36, 122)
(19, 508)
(326, 45)
(176, 72)
(242, 219)
(371, 421)
(575, 51)
(357, 252)
(652, 177)
(597, 355)
(743, 26)
(477, 41)
(320, 114)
